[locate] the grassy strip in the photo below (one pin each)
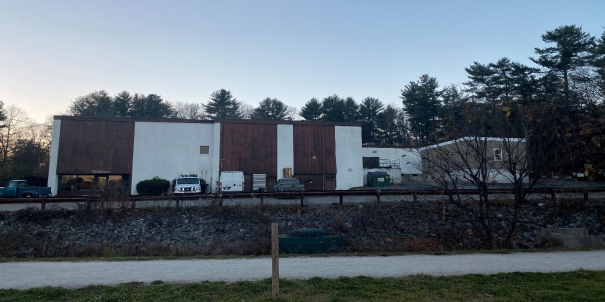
(386, 254)
(573, 286)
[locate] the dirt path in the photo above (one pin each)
(22, 275)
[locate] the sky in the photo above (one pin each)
(51, 52)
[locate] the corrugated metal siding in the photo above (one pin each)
(85, 146)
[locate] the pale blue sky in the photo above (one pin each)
(53, 51)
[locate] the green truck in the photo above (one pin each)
(19, 188)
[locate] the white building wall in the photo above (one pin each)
(409, 159)
(285, 149)
(349, 165)
(167, 150)
(216, 157)
(53, 179)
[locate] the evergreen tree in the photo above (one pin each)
(121, 104)
(223, 105)
(422, 106)
(368, 111)
(97, 103)
(351, 110)
(270, 109)
(151, 105)
(572, 50)
(598, 63)
(386, 123)
(2, 113)
(333, 109)
(311, 111)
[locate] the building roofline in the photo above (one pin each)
(463, 139)
(225, 121)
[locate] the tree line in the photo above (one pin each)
(559, 99)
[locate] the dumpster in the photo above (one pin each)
(379, 179)
(310, 241)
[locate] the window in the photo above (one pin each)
(68, 182)
(204, 149)
(371, 162)
(497, 154)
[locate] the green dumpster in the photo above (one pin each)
(310, 241)
(379, 179)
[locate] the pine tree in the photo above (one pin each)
(151, 105)
(311, 111)
(270, 109)
(223, 105)
(423, 107)
(572, 50)
(368, 110)
(351, 110)
(333, 109)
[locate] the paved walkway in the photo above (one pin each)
(22, 275)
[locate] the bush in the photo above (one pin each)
(154, 186)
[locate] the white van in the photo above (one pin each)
(231, 181)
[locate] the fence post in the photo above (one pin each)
(378, 196)
(43, 204)
(274, 260)
(302, 198)
(340, 195)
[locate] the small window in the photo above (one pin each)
(204, 149)
(497, 154)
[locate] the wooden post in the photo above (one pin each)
(378, 196)
(275, 260)
(43, 204)
(178, 199)
(262, 199)
(220, 201)
(302, 198)
(87, 200)
(340, 199)
(133, 205)
(585, 194)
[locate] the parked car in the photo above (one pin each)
(231, 182)
(188, 185)
(20, 188)
(288, 185)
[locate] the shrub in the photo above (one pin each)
(154, 186)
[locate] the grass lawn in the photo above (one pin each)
(573, 286)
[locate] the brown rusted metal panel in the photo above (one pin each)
(85, 146)
(250, 148)
(314, 149)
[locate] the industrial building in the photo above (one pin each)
(87, 152)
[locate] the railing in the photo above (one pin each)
(134, 199)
